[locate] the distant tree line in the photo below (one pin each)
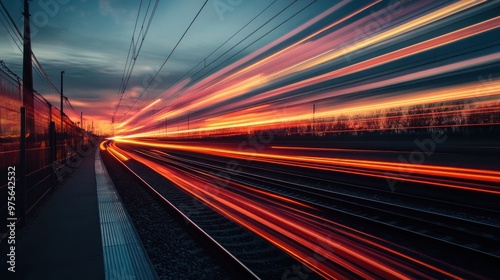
(457, 117)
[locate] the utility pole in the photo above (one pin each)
(81, 120)
(314, 120)
(27, 130)
(28, 101)
(62, 96)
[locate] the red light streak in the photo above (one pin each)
(446, 176)
(331, 149)
(301, 233)
(117, 152)
(256, 83)
(247, 77)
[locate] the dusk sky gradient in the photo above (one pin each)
(89, 40)
(338, 55)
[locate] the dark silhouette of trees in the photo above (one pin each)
(455, 117)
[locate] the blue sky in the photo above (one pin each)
(89, 40)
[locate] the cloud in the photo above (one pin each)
(106, 8)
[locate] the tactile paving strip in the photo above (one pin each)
(124, 255)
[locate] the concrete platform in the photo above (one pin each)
(64, 239)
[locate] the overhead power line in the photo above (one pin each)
(221, 45)
(134, 50)
(8, 25)
(18, 37)
(11, 20)
(43, 74)
(11, 76)
(248, 36)
(168, 57)
(255, 41)
(247, 46)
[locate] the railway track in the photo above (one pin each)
(476, 240)
(375, 188)
(476, 236)
(246, 255)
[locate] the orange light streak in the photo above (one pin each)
(396, 31)
(305, 234)
(117, 152)
(331, 149)
(336, 164)
(313, 50)
(300, 42)
(102, 147)
(139, 113)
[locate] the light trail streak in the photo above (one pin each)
(210, 178)
(102, 146)
(292, 148)
(287, 72)
(301, 233)
(447, 94)
(297, 45)
(117, 152)
(139, 113)
(415, 66)
(453, 93)
(445, 176)
(424, 20)
(221, 76)
(408, 51)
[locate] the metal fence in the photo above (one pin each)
(36, 154)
